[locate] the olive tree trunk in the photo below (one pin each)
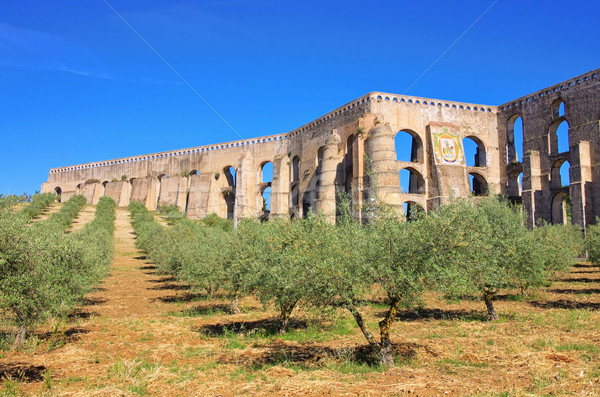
(488, 298)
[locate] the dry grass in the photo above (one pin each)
(142, 333)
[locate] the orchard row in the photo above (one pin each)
(467, 248)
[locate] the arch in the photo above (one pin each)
(131, 180)
(295, 196)
(411, 181)
(320, 159)
(559, 136)
(266, 172)
(475, 154)
(161, 176)
(266, 200)
(295, 169)
(514, 139)
(411, 209)
(348, 182)
(479, 186)
(561, 209)
(515, 185)
(58, 192)
(229, 198)
(194, 172)
(229, 172)
(104, 183)
(559, 175)
(408, 146)
(558, 108)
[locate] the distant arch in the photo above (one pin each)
(560, 174)
(515, 185)
(161, 176)
(194, 172)
(475, 154)
(266, 200)
(58, 192)
(266, 172)
(479, 186)
(319, 159)
(295, 196)
(561, 209)
(558, 136)
(514, 139)
(229, 198)
(408, 146)
(411, 209)
(229, 172)
(411, 181)
(558, 108)
(295, 169)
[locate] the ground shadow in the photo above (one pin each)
(204, 310)
(21, 372)
(185, 297)
(165, 279)
(575, 291)
(565, 304)
(170, 286)
(268, 326)
(91, 301)
(438, 314)
(141, 257)
(279, 352)
(583, 265)
(78, 314)
(578, 280)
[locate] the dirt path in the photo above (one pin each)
(51, 209)
(86, 215)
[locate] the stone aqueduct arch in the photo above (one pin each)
(352, 150)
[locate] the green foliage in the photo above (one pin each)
(37, 205)
(43, 271)
(592, 241)
(67, 213)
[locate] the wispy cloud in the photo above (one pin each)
(33, 49)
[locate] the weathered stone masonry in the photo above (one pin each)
(313, 162)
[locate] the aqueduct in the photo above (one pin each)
(354, 148)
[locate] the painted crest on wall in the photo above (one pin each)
(447, 147)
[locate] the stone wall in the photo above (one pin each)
(352, 150)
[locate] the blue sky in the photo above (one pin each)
(77, 85)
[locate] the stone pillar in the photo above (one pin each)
(532, 187)
(580, 189)
(245, 187)
(326, 201)
(280, 187)
(382, 181)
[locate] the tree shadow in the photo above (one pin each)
(78, 314)
(585, 272)
(278, 352)
(170, 286)
(584, 265)
(204, 310)
(578, 280)
(575, 291)
(185, 297)
(148, 267)
(165, 279)
(268, 327)
(437, 314)
(91, 301)
(21, 372)
(565, 304)
(141, 257)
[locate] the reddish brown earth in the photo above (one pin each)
(142, 333)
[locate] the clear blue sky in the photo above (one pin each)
(77, 85)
